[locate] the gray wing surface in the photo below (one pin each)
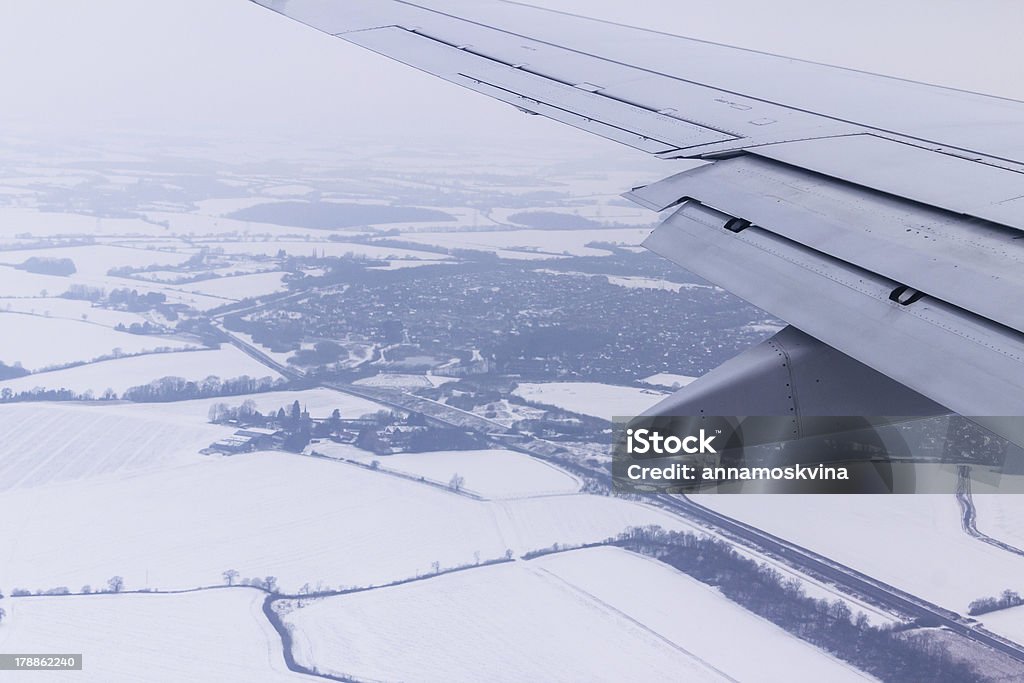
(881, 216)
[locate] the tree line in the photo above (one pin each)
(885, 652)
(164, 390)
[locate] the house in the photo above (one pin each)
(261, 437)
(247, 440)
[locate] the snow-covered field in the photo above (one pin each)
(571, 242)
(1008, 623)
(506, 622)
(630, 282)
(56, 307)
(298, 518)
(223, 228)
(401, 381)
(530, 523)
(19, 283)
(665, 380)
(44, 443)
(123, 373)
(237, 268)
(913, 542)
(15, 221)
(219, 635)
(319, 402)
(237, 288)
(96, 260)
(398, 264)
(694, 617)
(39, 342)
(591, 398)
(326, 248)
(514, 255)
(1001, 516)
(490, 474)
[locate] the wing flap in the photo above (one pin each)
(969, 263)
(967, 363)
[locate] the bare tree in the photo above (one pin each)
(248, 408)
(217, 412)
(456, 482)
(230, 576)
(115, 584)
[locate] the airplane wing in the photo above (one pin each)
(883, 218)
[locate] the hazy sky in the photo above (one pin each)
(202, 66)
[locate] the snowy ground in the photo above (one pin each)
(913, 542)
(226, 362)
(19, 283)
(319, 402)
(45, 443)
(544, 241)
(665, 380)
(1001, 516)
(219, 635)
(298, 518)
(1008, 623)
(16, 221)
(530, 523)
(402, 381)
(591, 398)
(213, 227)
(96, 260)
(398, 264)
(501, 623)
(200, 302)
(327, 248)
(490, 473)
(42, 342)
(71, 309)
(630, 282)
(237, 288)
(694, 617)
(237, 268)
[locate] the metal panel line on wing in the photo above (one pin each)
(969, 263)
